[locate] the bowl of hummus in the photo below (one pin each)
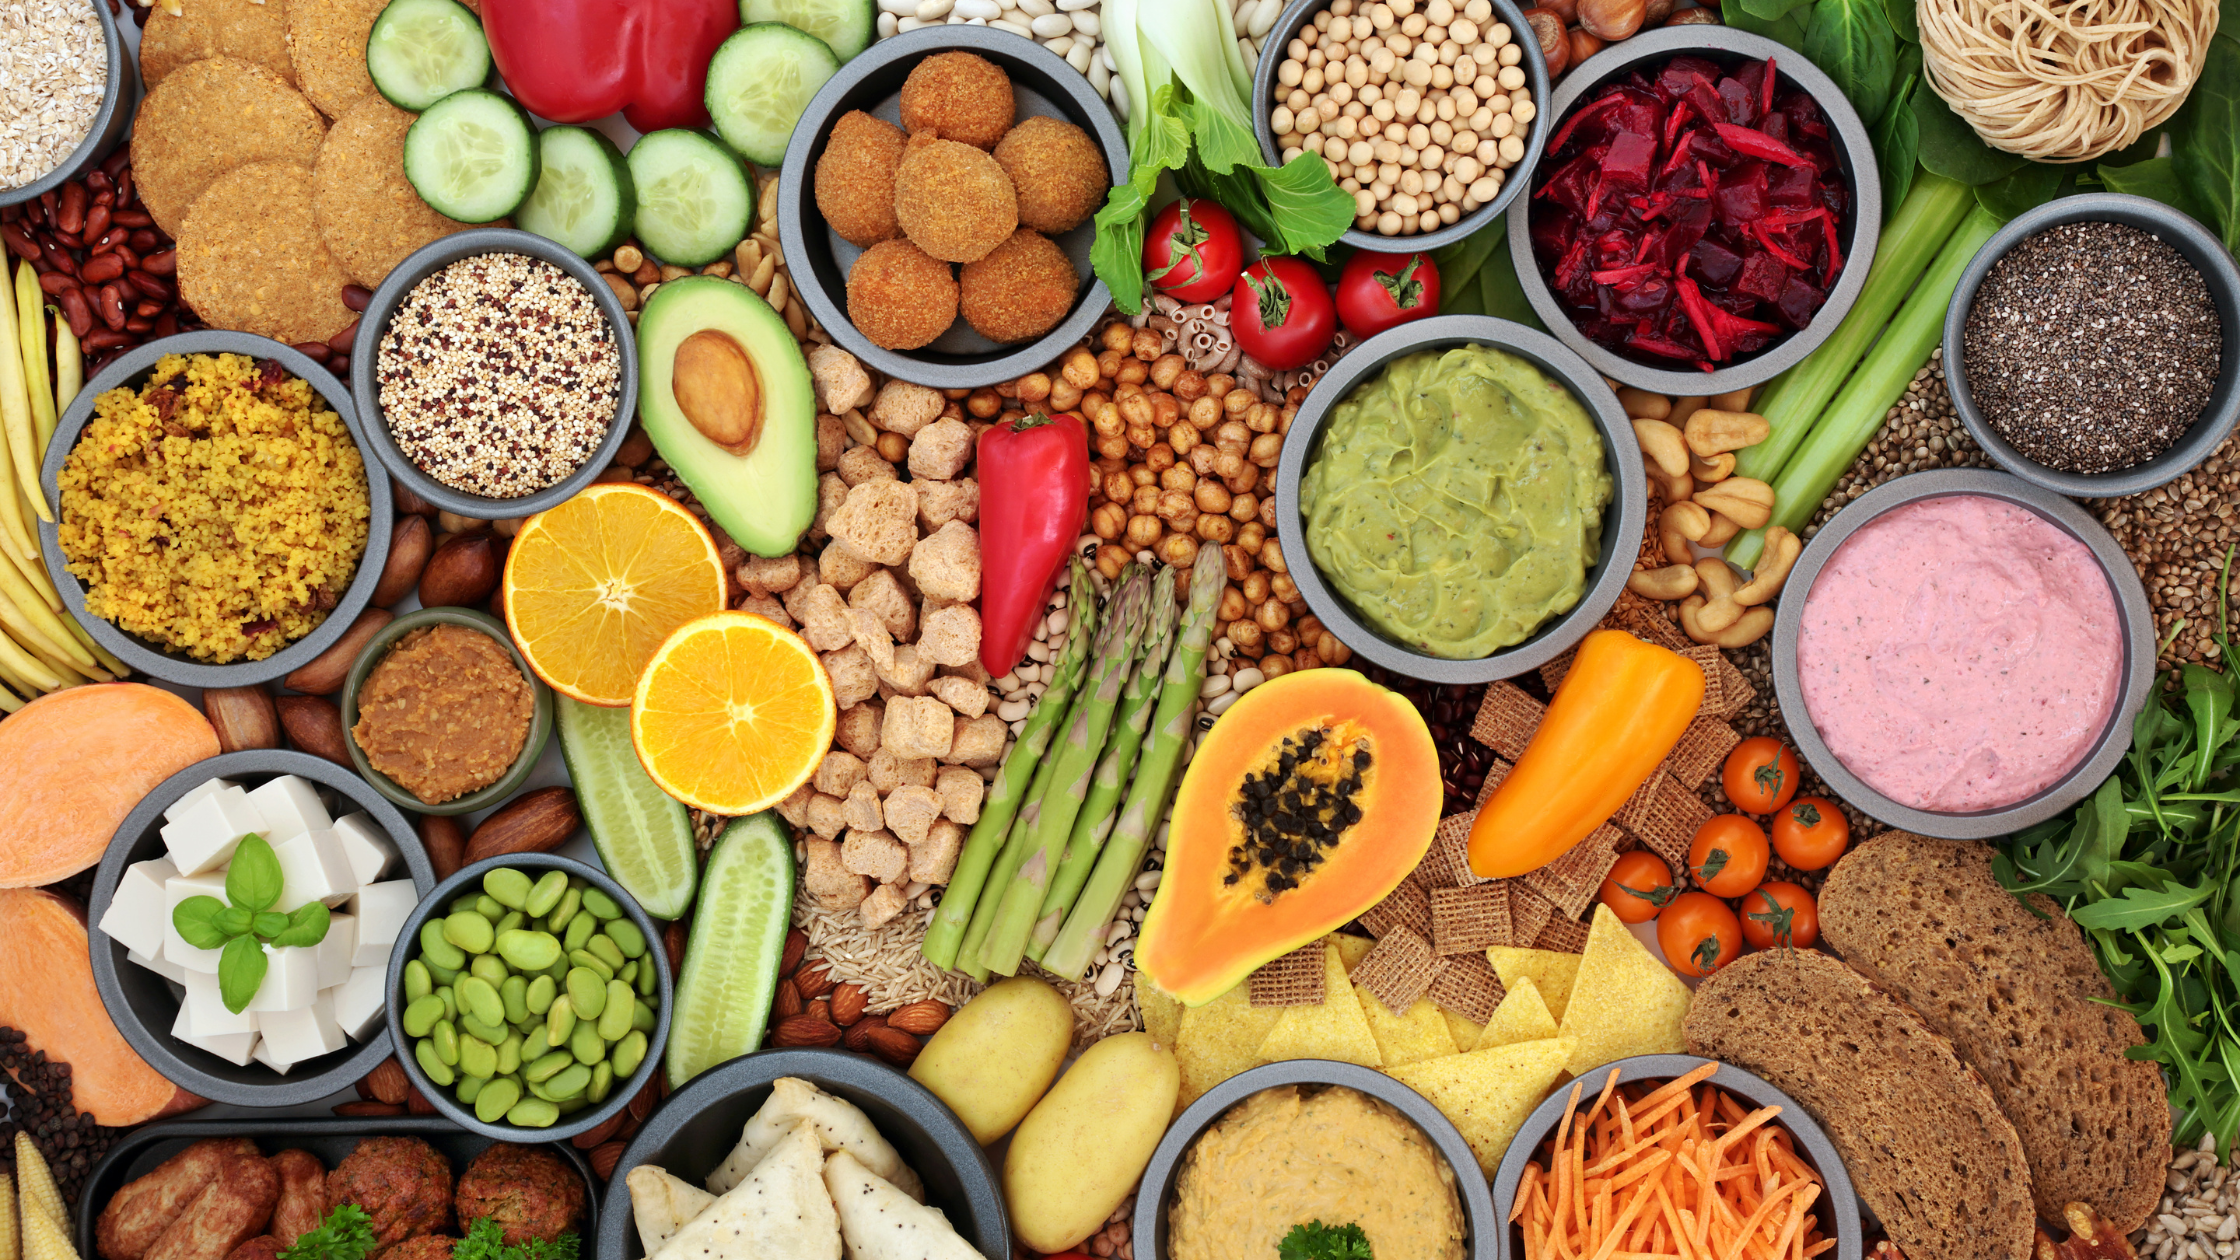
(1962, 653)
(1467, 498)
(1314, 1144)
(442, 715)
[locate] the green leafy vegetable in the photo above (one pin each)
(1787, 28)
(346, 1234)
(196, 919)
(1770, 10)
(1897, 142)
(268, 923)
(253, 878)
(1951, 148)
(2205, 139)
(1905, 20)
(1853, 43)
(1317, 1241)
(306, 926)
(486, 1240)
(241, 969)
(2031, 185)
(253, 884)
(2156, 178)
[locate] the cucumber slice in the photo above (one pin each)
(584, 199)
(472, 156)
(759, 81)
(847, 26)
(421, 51)
(695, 202)
(738, 939)
(644, 836)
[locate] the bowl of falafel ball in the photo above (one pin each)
(938, 224)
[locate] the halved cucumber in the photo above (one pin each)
(846, 25)
(421, 51)
(584, 199)
(644, 836)
(472, 156)
(738, 939)
(759, 81)
(695, 202)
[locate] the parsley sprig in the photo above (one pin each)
(241, 930)
(1317, 1241)
(347, 1234)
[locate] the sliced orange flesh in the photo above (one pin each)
(733, 713)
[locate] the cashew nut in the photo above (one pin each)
(1677, 526)
(1643, 405)
(1682, 408)
(1734, 399)
(1748, 629)
(1722, 531)
(1691, 610)
(1674, 581)
(1664, 446)
(1708, 471)
(1711, 431)
(1674, 489)
(1747, 500)
(1782, 549)
(1718, 582)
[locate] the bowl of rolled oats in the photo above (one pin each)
(66, 87)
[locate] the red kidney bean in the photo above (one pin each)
(341, 342)
(132, 218)
(77, 310)
(317, 350)
(112, 238)
(70, 213)
(339, 365)
(59, 258)
(105, 339)
(101, 184)
(124, 252)
(101, 269)
(161, 263)
(47, 202)
(146, 308)
(115, 162)
(166, 324)
(143, 240)
(357, 297)
(127, 192)
(97, 222)
(19, 241)
(55, 282)
(68, 240)
(139, 324)
(112, 306)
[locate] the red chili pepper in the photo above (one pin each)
(1699, 314)
(1034, 492)
(576, 60)
(1759, 145)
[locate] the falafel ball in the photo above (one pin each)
(855, 178)
(901, 297)
(403, 1183)
(1021, 289)
(262, 1247)
(952, 200)
(530, 1191)
(1058, 172)
(421, 1247)
(960, 96)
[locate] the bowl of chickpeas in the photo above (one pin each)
(1428, 112)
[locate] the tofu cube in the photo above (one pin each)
(196, 793)
(368, 848)
(313, 867)
(336, 951)
(160, 965)
(291, 982)
(305, 1033)
(203, 837)
(380, 910)
(234, 1048)
(290, 807)
(205, 1009)
(136, 910)
(262, 1053)
(175, 890)
(361, 1001)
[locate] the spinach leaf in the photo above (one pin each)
(2033, 185)
(2205, 140)
(1905, 20)
(1310, 210)
(1768, 10)
(1788, 28)
(1853, 43)
(1951, 148)
(2140, 907)
(1897, 141)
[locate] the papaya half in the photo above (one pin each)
(1306, 804)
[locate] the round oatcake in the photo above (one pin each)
(252, 30)
(328, 42)
(251, 257)
(367, 210)
(209, 117)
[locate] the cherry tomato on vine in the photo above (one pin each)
(1698, 934)
(1810, 833)
(1192, 251)
(1729, 856)
(1377, 291)
(1282, 315)
(1778, 912)
(1638, 886)
(1760, 776)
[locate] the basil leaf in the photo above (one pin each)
(1951, 148)
(269, 923)
(253, 880)
(2205, 140)
(1852, 42)
(2140, 908)
(196, 921)
(240, 970)
(305, 927)
(235, 921)
(1897, 141)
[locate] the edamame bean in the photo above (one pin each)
(545, 1068)
(480, 998)
(487, 906)
(600, 904)
(445, 1037)
(533, 1113)
(509, 1055)
(565, 912)
(579, 932)
(585, 1045)
(510, 887)
(528, 951)
(629, 973)
(450, 995)
(628, 1053)
(541, 992)
(492, 1033)
(586, 959)
(615, 1019)
(442, 975)
(438, 951)
(477, 1057)
(534, 1044)
(515, 994)
(496, 1099)
(567, 1082)
(513, 919)
(627, 938)
(470, 1088)
(469, 931)
(560, 1022)
(422, 1015)
(545, 894)
(489, 968)
(608, 952)
(641, 1016)
(649, 979)
(461, 903)
(602, 1083)
(417, 982)
(587, 990)
(438, 1071)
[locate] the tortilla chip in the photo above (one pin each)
(661, 1204)
(1334, 1030)
(1466, 1034)
(1488, 1093)
(1161, 1010)
(1625, 1001)
(781, 1209)
(880, 1222)
(1220, 1039)
(1351, 949)
(1552, 973)
(1411, 1038)
(1522, 1016)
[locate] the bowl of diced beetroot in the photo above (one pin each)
(1705, 213)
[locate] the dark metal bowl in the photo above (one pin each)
(818, 260)
(377, 648)
(2200, 247)
(1622, 521)
(143, 1004)
(109, 121)
(365, 361)
(131, 369)
(695, 1129)
(1862, 222)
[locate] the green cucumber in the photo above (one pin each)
(644, 836)
(421, 51)
(848, 26)
(739, 930)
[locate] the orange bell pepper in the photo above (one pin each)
(1619, 713)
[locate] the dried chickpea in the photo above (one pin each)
(1159, 458)
(1106, 421)
(1109, 521)
(1212, 496)
(1111, 559)
(1219, 384)
(1242, 508)
(1108, 363)
(1178, 479)
(1260, 418)
(1095, 402)
(1142, 475)
(1205, 412)
(1080, 370)
(1201, 460)
(1268, 512)
(1232, 436)
(1142, 436)
(1179, 550)
(1232, 603)
(1238, 563)
(1271, 555)
(1247, 477)
(1177, 509)
(1143, 531)
(1113, 447)
(1136, 410)
(1238, 401)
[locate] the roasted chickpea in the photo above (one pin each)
(1256, 588)
(1143, 531)
(1205, 412)
(1011, 416)
(952, 409)
(1247, 477)
(1064, 395)
(1283, 641)
(1167, 369)
(1268, 512)
(1295, 396)
(956, 395)
(893, 447)
(1250, 535)
(1147, 344)
(1260, 418)
(1006, 390)
(1307, 659)
(1133, 372)
(1238, 563)
(1118, 337)
(1144, 501)
(1080, 369)
(1164, 409)
(1232, 600)
(1136, 410)
(1121, 389)
(1189, 385)
(1219, 384)
(1107, 422)
(1119, 487)
(1142, 436)
(1109, 521)
(1034, 387)
(1282, 587)
(1247, 635)
(1112, 558)
(1178, 550)
(1108, 363)
(1275, 665)
(1178, 478)
(1202, 459)
(1267, 449)
(1113, 447)
(1181, 437)
(1159, 458)
(1176, 509)
(1241, 509)
(984, 403)
(1095, 402)
(1212, 496)
(1142, 475)
(1334, 652)
(1271, 557)
(1238, 401)
(1284, 418)
(1215, 529)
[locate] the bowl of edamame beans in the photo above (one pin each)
(529, 997)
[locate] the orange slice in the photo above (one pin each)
(732, 714)
(595, 585)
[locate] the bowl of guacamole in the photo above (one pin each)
(1468, 498)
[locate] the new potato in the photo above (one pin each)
(995, 1057)
(1083, 1147)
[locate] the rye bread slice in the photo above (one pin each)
(2013, 993)
(1926, 1146)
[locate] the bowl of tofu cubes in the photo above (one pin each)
(246, 908)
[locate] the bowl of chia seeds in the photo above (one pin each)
(497, 373)
(2085, 345)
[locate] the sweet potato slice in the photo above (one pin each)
(74, 763)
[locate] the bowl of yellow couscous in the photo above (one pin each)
(216, 522)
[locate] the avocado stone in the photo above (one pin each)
(763, 499)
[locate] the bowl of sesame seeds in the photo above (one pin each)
(66, 97)
(496, 373)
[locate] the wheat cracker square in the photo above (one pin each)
(1507, 719)
(1528, 911)
(1563, 935)
(1701, 750)
(1447, 863)
(1572, 880)
(1667, 825)
(1552, 673)
(1466, 984)
(1495, 773)
(1399, 970)
(1634, 814)
(1466, 920)
(1725, 691)
(1408, 906)
(1295, 979)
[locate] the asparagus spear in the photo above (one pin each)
(1073, 766)
(1094, 822)
(1146, 804)
(946, 932)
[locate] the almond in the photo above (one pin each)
(649, 1097)
(893, 1045)
(243, 717)
(409, 546)
(324, 675)
(533, 822)
(314, 725)
(673, 940)
(445, 841)
(820, 1009)
(462, 572)
(409, 502)
(814, 980)
(849, 1002)
(363, 1108)
(417, 1104)
(604, 1157)
(858, 1037)
(388, 1082)
(786, 1004)
(804, 1030)
(605, 1131)
(922, 1018)
(797, 944)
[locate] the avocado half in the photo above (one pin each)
(765, 498)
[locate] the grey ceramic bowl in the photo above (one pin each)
(1264, 100)
(1156, 1195)
(1837, 1207)
(143, 1004)
(1042, 84)
(133, 368)
(365, 361)
(109, 121)
(695, 1129)
(1622, 521)
(2131, 611)
(377, 648)
(1862, 222)
(2181, 232)
(469, 879)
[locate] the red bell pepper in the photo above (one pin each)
(1034, 495)
(575, 60)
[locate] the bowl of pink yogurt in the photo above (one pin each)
(1960, 653)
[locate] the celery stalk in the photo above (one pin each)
(1852, 420)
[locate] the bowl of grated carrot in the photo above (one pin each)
(1670, 1154)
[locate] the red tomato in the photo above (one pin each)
(1780, 913)
(1638, 886)
(1192, 251)
(1282, 315)
(1810, 833)
(1760, 775)
(1378, 291)
(1698, 934)
(1729, 856)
